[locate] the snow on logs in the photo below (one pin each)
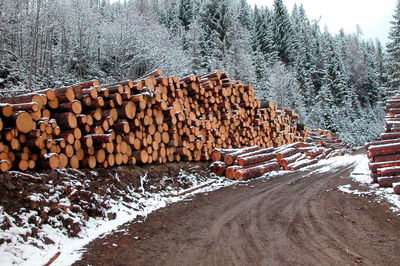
(384, 155)
(152, 119)
(252, 162)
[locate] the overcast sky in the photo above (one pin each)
(373, 16)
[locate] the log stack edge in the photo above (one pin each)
(152, 119)
(384, 155)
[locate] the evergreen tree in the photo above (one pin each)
(393, 49)
(283, 33)
(334, 78)
(262, 32)
(303, 56)
(186, 13)
(244, 14)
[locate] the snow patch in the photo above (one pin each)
(361, 174)
(18, 251)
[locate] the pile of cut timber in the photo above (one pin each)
(327, 139)
(252, 162)
(384, 155)
(152, 119)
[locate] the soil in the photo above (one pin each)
(299, 218)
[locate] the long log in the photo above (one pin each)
(388, 181)
(382, 142)
(219, 154)
(257, 170)
(389, 171)
(390, 135)
(256, 159)
(386, 149)
(286, 153)
(375, 166)
(230, 158)
(302, 163)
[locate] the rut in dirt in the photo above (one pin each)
(295, 219)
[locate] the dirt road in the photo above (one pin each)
(294, 219)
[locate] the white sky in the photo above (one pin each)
(373, 16)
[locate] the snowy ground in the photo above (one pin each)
(361, 175)
(36, 252)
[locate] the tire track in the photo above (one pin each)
(288, 220)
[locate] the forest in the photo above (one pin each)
(336, 82)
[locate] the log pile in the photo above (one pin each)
(326, 139)
(384, 155)
(152, 119)
(252, 162)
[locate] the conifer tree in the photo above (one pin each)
(393, 49)
(283, 33)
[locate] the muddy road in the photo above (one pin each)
(294, 219)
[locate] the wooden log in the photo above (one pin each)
(6, 110)
(382, 142)
(378, 150)
(154, 73)
(287, 152)
(74, 106)
(66, 120)
(302, 163)
(89, 162)
(244, 161)
(21, 120)
(375, 166)
(257, 170)
(291, 159)
(127, 110)
(25, 98)
(219, 154)
(388, 181)
(65, 94)
(28, 107)
(50, 94)
(141, 156)
(261, 151)
(100, 138)
(91, 92)
(231, 157)
(396, 188)
(389, 171)
(218, 168)
(390, 135)
(386, 158)
(5, 165)
(128, 83)
(231, 170)
(51, 160)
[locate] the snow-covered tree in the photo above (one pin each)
(393, 49)
(283, 88)
(283, 33)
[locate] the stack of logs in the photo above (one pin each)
(384, 155)
(252, 162)
(152, 119)
(326, 139)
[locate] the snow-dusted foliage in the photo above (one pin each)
(333, 81)
(283, 88)
(393, 49)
